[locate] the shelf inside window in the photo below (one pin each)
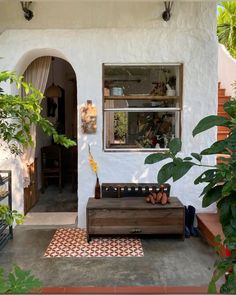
(140, 97)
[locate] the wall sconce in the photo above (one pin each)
(28, 14)
(53, 90)
(167, 13)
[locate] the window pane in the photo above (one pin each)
(140, 129)
(153, 80)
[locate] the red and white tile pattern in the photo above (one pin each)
(72, 242)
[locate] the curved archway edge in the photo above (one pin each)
(27, 58)
(32, 54)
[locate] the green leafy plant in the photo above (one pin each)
(220, 185)
(226, 25)
(9, 216)
(18, 281)
(120, 126)
(18, 113)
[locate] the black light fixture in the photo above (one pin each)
(167, 13)
(28, 14)
(53, 90)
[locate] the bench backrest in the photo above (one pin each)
(119, 190)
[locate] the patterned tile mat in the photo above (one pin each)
(72, 242)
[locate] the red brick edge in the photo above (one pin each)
(126, 290)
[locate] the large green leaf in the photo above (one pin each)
(225, 211)
(177, 161)
(229, 187)
(154, 158)
(206, 176)
(216, 148)
(213, 195)
(233, 223)
(175, 146)
(212, 287)
(197, 156)
(233, 210)
(181, 169)
(228, 230)
(231, 140)
(21, 281)
(215, 180)
(187, 158)
(207, 188)
(230, 108)
(165, 173)
(209, 122)
(218, 273)
(3, 283)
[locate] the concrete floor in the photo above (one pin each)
(166, 262)
(53, 201)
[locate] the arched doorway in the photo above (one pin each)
(61, 111)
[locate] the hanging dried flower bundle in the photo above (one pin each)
(93, 164)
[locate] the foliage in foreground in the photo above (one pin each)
(18, 113)
(9, 216)
(226, 26)
(220, 185)
(18, 281)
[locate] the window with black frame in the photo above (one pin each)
(142, 106)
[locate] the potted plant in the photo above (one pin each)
(220, 185)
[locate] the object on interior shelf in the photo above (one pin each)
(170, 91)
(159, 89)
(117, 91)
(106, 91)
(89, 117)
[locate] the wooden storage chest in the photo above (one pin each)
(133, 216)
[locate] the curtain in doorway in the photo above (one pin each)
(37, 74)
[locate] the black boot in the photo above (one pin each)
(186, 229)
(191, 216)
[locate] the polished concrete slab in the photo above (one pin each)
(53, 201)
(166, 262)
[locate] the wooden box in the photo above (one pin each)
(133, 216)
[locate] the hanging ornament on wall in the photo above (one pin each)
(28, 14)
(88, 117)
(167, 13)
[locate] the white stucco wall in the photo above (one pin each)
(188, 38)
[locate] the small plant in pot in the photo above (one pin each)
(220, 185)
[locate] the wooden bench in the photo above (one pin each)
(122, 210)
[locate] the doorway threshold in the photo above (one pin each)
(51, 218)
